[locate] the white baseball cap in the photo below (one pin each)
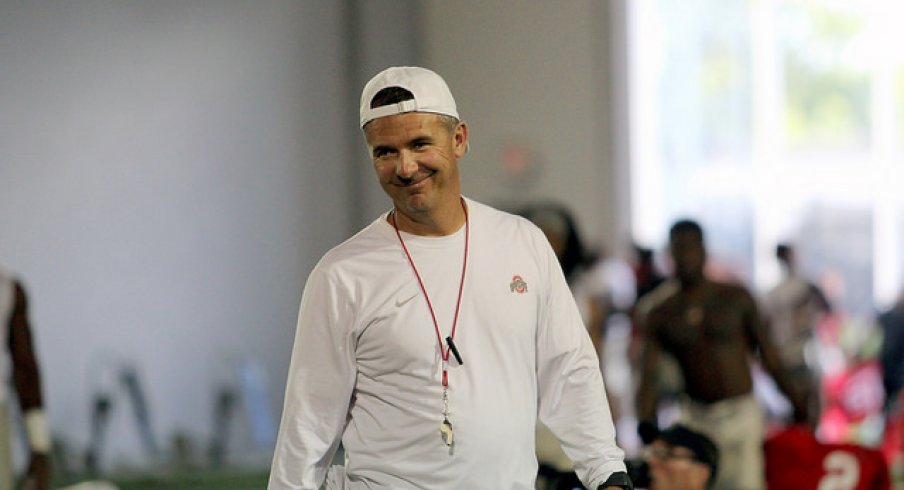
(431, 94)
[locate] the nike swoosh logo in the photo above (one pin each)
(402, 301)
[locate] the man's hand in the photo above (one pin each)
(37, 477)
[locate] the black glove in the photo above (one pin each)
(647, 430)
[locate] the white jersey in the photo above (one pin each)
(366, 365)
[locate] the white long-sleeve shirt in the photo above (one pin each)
(366, 366)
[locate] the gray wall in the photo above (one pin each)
(542, 80)
(171, 170)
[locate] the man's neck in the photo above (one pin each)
(440, 222)
(693, 285)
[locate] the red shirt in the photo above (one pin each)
(796, 460)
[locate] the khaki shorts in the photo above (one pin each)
(737, 426)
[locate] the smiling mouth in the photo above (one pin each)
(414, 181)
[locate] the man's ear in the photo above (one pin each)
(461, 139)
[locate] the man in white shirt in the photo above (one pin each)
(430, 342)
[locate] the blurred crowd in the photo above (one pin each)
(824, 381)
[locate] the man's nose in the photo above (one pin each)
(406, 165)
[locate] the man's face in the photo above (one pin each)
(416, 160)
(674, 468)
(688, 255)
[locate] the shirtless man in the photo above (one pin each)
(711, 329)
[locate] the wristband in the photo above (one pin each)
(618, 479)
(37, 430)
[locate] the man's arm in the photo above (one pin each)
(758, 331)
(819, 298)
(571, 392)
(646, 398)
(27, 381)
(648, 320)
(318, 390)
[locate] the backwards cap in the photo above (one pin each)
(703, 448)
(431, 94)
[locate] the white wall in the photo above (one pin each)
(540, 77)
(169, 173)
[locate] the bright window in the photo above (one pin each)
(774, 121)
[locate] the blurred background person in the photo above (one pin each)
(711, 329)
(26, 383)
(678, 458)
(647, 274)
(577, 261)
(793, 308)
(891, 355)
(891, 360)
(796, 459)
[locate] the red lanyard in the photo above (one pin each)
(444, 351)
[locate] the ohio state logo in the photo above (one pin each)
(518, 285)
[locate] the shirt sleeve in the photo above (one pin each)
(572, 398)
(319, 387)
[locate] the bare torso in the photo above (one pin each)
(708, 331)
